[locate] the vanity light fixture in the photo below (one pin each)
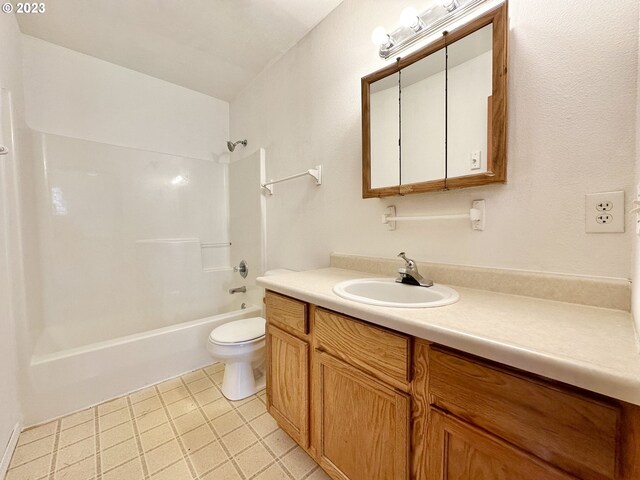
(409, 19)
(415, 26)
(380, 37)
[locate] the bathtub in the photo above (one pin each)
(73, 379)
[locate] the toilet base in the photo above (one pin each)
(240, 382)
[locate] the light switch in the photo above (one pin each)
(476, 160)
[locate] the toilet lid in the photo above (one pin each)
(239, 331)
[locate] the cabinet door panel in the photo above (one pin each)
(288, 383)
(287, 313)
(382, 353)
(362, 424)
(459, 451)
(575, 432)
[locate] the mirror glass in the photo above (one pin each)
(423, 119)
(469, 87)
(436, 119)
(385, 131)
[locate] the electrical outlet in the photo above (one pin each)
(476, 160)
(604, 212)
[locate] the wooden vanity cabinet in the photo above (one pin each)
(460, 451)
(357, 376)
(371, 403)
(287, 365)
(362, 424)
(361, 405)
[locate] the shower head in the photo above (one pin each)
(232, 145)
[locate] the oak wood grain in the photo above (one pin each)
(288, 383)
(460, 451)
(363, 424)
(287, 313)
(420, 409)
(380, 352)
(629, 447)
(575, 432)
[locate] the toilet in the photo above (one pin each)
(240, 345)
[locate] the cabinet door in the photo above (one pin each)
(288, 383)
(362, 424)
(460, 451)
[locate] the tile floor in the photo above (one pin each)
(179, 429)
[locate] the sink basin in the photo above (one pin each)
(386, 292)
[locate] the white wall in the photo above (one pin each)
(635, 286)
(469, 86)
(10, 96)
(385, 152)
(571, 131)
(75, 95)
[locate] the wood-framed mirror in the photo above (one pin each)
(437, 118)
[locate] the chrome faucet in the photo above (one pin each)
(409, 273)
(242, 289)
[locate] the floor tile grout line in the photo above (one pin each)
(74, 463)
(314, 470)
(169, 466)
(260, 438)
(13, 467)
(58, 419)
(54, 452)
(218, 436)
(277, 458)
(155, 447)
(191, 395)
(33, 441)
(98, 465)
(136, 435)
(192, 469)
(147, 413)
(263, 469)
(128, 460)
(66, 429)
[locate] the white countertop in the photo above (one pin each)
(589, 347)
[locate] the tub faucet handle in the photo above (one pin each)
(243, 269)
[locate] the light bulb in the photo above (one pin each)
(409, 17)
(450, 5)
(379, 36)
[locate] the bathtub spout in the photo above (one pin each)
(242, 289)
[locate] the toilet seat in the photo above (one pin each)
(243, 331)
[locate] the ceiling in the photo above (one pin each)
(212, 46)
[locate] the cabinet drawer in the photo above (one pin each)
(287, 313)
(380, 352)
(559, 425)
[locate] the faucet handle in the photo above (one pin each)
(410, 263)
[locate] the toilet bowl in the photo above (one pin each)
(240, 346)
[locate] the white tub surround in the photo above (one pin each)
(589, 347)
